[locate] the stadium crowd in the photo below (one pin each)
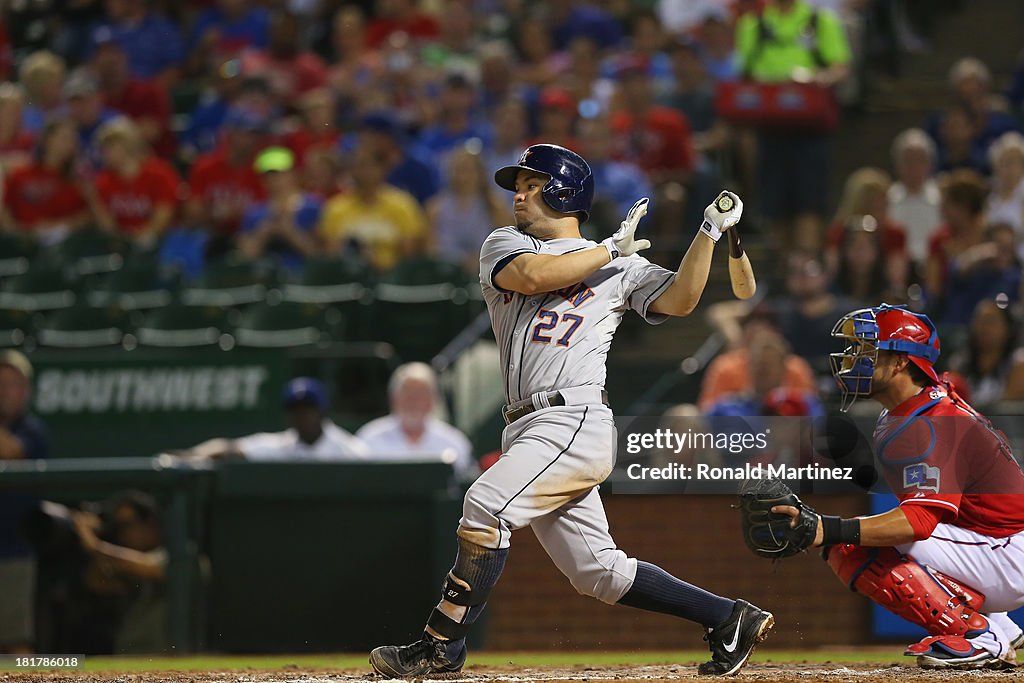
(282, 131)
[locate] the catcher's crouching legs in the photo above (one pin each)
(947, 609)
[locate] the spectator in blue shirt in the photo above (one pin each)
(410, 169)
(202, 134)
(456, 123)
(230, 27)
(283, 227)
(22, 437)
(572, 19)
(617, 183)
(87, 110)
(152, 43)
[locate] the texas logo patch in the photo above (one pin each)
(921, 476)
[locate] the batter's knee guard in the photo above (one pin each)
(465, 589)
(606, 577)
(919, 594)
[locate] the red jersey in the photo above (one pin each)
(936, 450)
(301, 141)
(132, 200)
(24, 141)
(892, 237)
(660, 141)
(37, 194)
(419, 27)
(146, 99)
(226, 191)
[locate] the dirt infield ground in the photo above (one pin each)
(759, 672)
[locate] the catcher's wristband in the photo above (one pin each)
(613, 251)
(711, 230)
(835, 530)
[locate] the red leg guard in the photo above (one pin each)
(923, 596)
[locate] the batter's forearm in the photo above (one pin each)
(537, 273)
(684, 293)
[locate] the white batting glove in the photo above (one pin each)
(622, 242)
(722, 214)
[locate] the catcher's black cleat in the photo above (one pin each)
(427, 656)
(734, 639)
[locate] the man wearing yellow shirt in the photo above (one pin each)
(379, 221)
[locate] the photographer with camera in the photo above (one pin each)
(102, 569)
(22, 436)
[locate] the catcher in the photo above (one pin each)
(950, 557)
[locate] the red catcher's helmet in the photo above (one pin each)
(910, 333)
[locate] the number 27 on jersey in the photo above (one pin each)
(547, 321)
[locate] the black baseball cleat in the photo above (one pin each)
(734, 639)
(427, 656)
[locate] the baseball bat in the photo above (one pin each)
(741, 273)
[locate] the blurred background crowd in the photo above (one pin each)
(285, 174)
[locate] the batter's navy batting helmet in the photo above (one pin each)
(570, 186)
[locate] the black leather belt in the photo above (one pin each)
(514, 411)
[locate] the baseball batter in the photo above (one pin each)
(555, 301)
(950, 557)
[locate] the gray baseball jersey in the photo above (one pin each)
(554, 458)
(559, 340)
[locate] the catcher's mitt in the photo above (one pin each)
(769, 534)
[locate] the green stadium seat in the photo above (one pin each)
(138, 285)
(182, 326)
(329, 281)
(285, 325)
(91, 251)
(16, 252)
(45, 286)
(230, 283)
(420, 306)
(346, 285)
(84, 326)
(16, 326)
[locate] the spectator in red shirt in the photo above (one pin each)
(223, 183)
(317, 129)
(866, 196)
(557, 119)
(136, 193)
(963, 210)
(395, 16)
(658, 140)
(290, 69)
(146, 102)
(43, 197)
(15, 142)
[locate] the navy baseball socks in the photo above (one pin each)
(463, 597)
(732, 628)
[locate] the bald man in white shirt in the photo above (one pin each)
(410, 431)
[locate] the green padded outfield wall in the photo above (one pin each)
(322, 557)
(102, 403)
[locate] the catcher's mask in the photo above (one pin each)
(885, 327)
